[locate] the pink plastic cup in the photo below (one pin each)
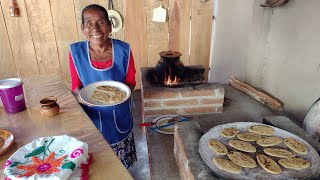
(12, 97)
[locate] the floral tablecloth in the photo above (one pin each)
(55, 157)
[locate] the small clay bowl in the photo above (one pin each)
(49, 106)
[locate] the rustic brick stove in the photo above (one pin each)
(196, 97)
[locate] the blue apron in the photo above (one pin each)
(114, 122)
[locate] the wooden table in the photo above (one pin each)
(72, 120)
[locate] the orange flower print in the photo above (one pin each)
(47, 166)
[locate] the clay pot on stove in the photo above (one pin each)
(169, 64)
(49, 106)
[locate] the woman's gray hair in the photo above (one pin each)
(97, 8)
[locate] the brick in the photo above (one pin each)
(222, 90)
(182, 102)
(180, 148)
(199, 110)
(183, 173)
(151, 94)
(184, 170)
(219, 108)
(161, 112)
(211, 100)
(190, 175)
(177, 155)
(194, 93)
(181, 159)
(192, 133)
(219, 91)
(152, 104)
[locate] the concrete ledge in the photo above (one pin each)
(189, 161)
(285, 123)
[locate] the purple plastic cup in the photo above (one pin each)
(11, 93)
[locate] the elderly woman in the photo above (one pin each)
(102, 58)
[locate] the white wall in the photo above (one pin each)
(230, 42)
(284, 55)
(276, 50)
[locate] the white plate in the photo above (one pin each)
(163, 120)
(86, 92)
(207, 155)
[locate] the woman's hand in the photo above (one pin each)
(76, 94)
(131, 86)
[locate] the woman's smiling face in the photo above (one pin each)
(96, 27)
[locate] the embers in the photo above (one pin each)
(191, 75)
(170, 73)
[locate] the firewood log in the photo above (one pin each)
(256, 94)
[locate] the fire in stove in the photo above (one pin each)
(169, 68)
(193, 75)
(170, 72)
(169, 81)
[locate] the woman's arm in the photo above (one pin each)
(76, 84)
(75, 80)
(130, 76)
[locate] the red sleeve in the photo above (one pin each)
(130, 77)
(75, 81)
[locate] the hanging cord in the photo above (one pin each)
(160, 3)
(110, 5)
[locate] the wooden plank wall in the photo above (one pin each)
(38, 41)
(7, 68)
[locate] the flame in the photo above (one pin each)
(168, 81)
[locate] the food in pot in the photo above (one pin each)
(107, 95)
